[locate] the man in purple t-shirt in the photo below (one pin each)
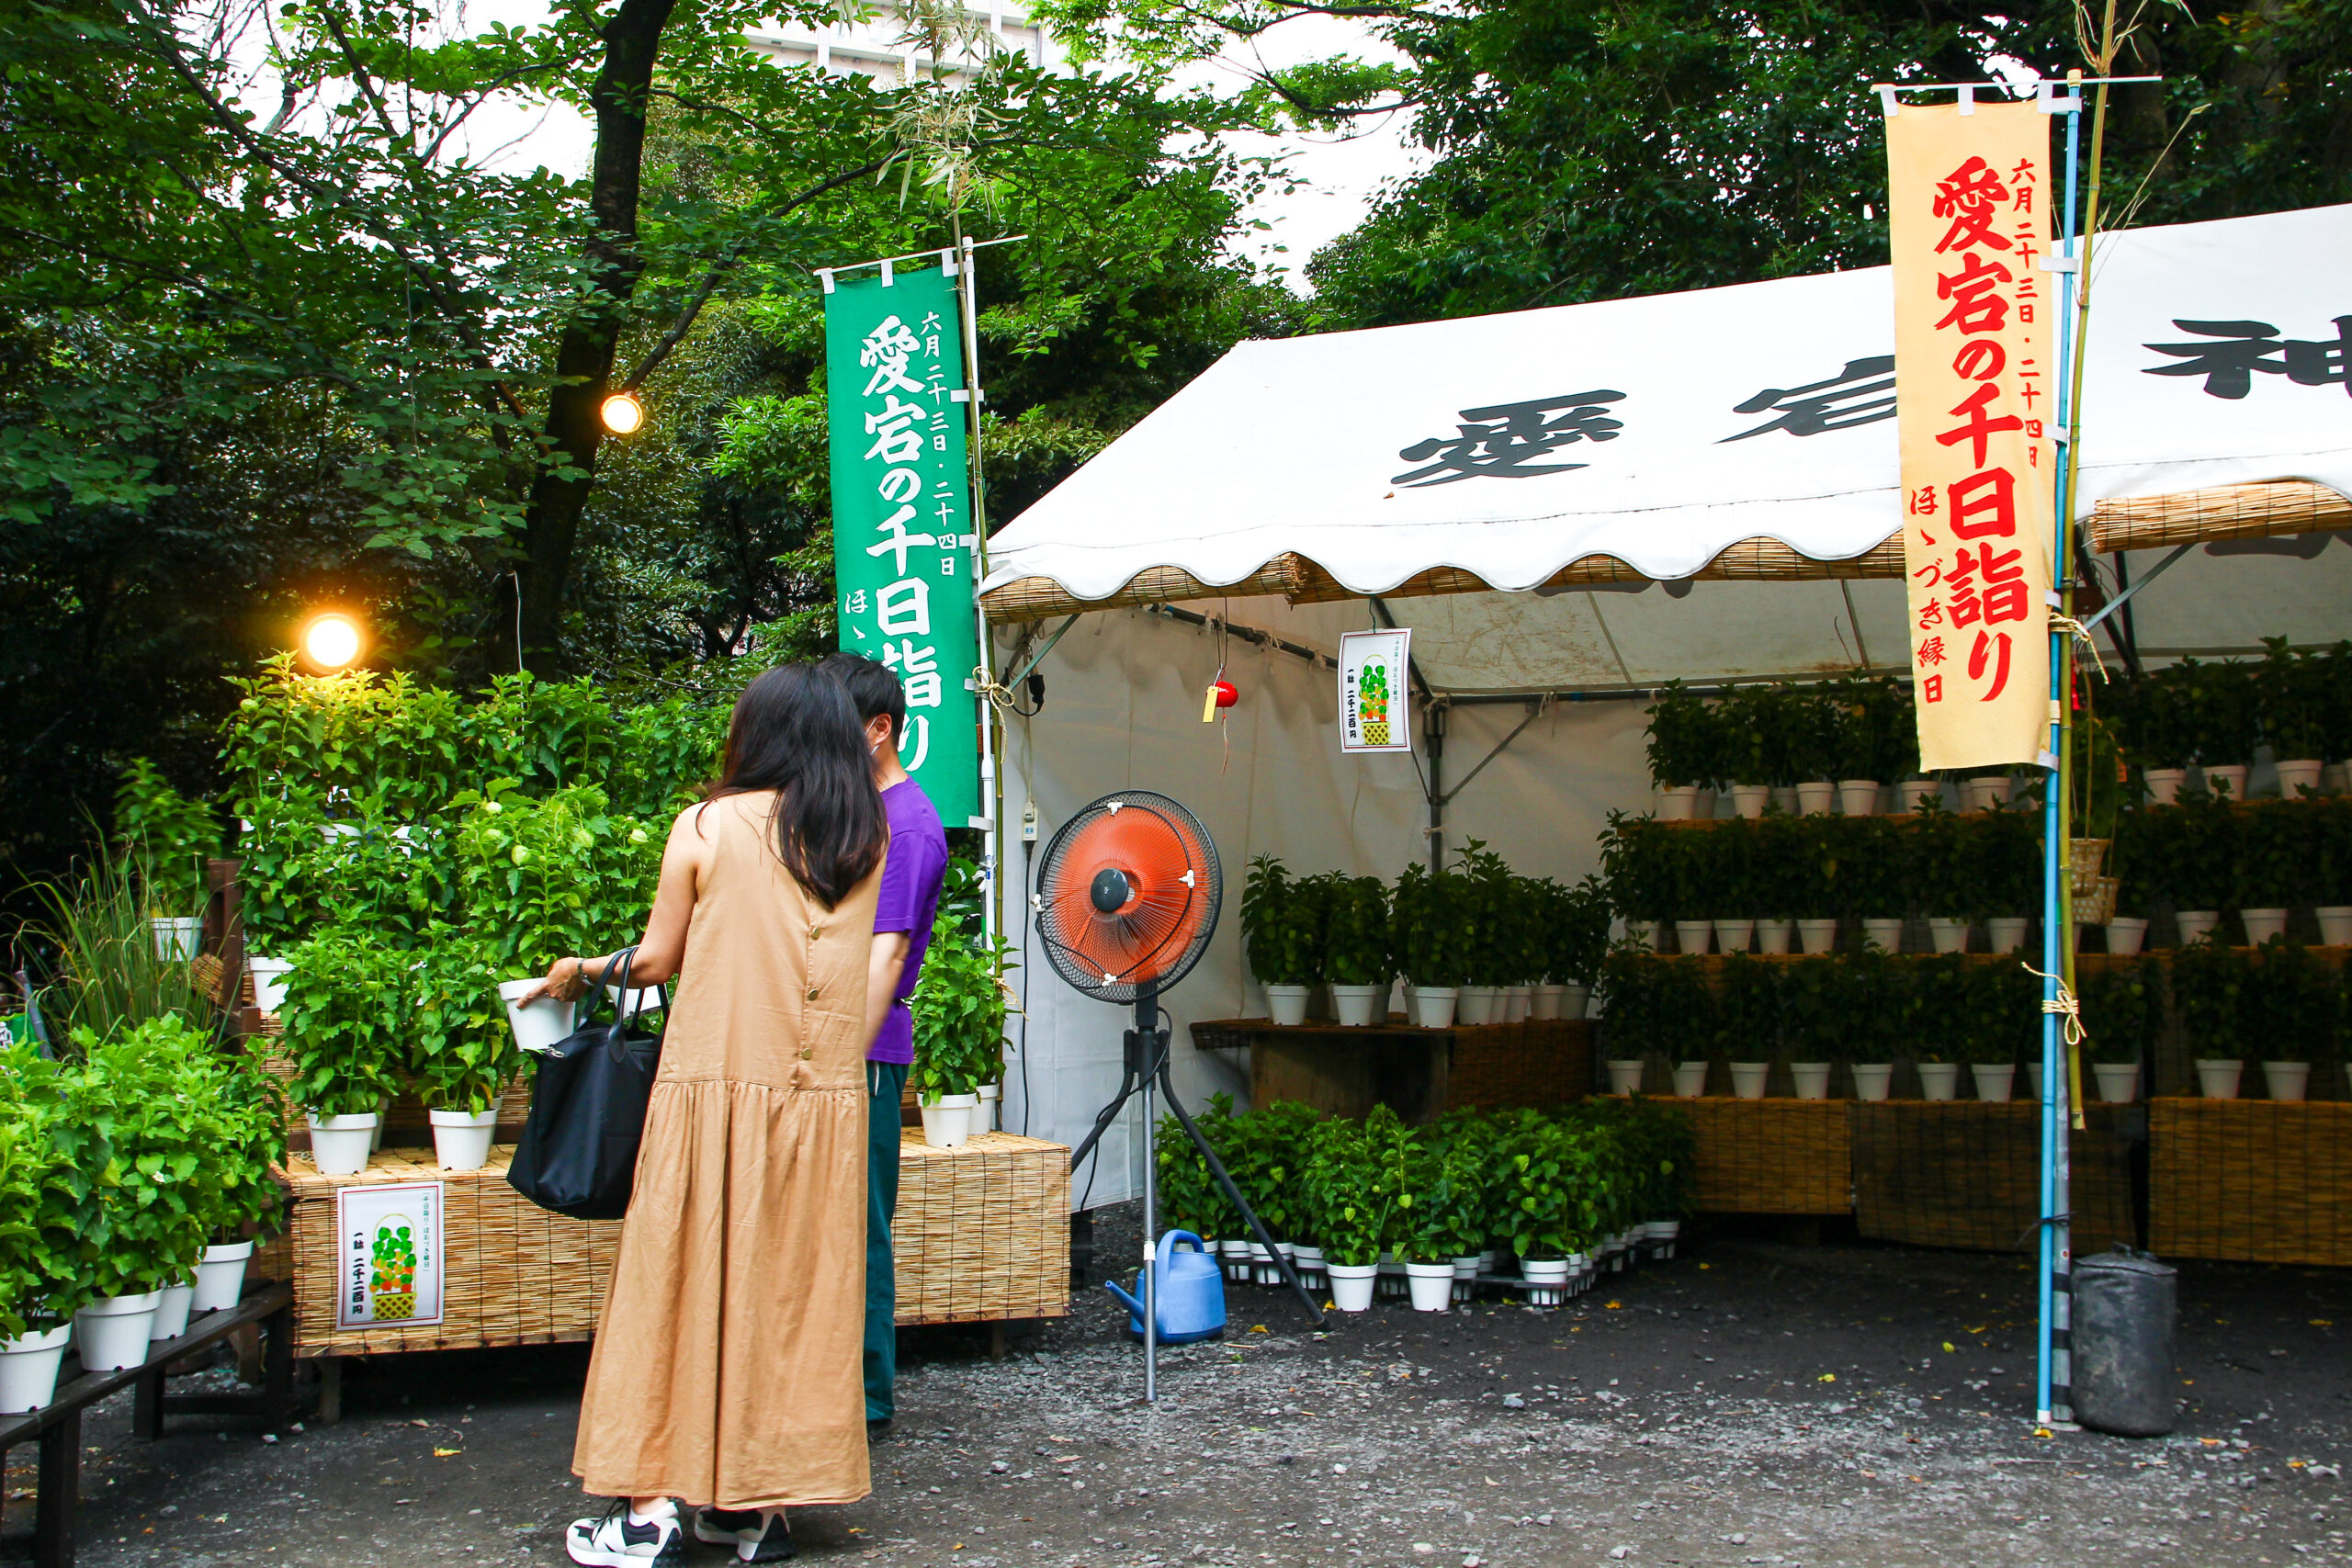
(902, 916)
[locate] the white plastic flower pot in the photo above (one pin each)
(948, 1122)
(1547, 1280)
(1995, 1085)
(2033, 1077)
(1872, 1079)
(177, 937)
(1625, 1076)
(1812, 1079)
(2126, 934)
(2335, 924)
(1884, 932)
(1747, 1079)
(1433, 1006)
(1287, 1005)
(2228, 779)
(1772, 937)
(28, 1368)
(339, 1145)
(461, 1139)
(1431, 1285)
(1985, 794)
(1857, 797)
(1749, 800)
(1939, 1080)
(1735, 936)
(988, 1116)
(269, 981)
(1465, 1275)
(2196, 925)
(1949, 932)
(112, 1333)
(1308, 1262)
(1543, 1002)
(1351, 1285)
(2008, 932)
(1818, 936)
(1236, 1255)
(634, 1000)
(1474, 1005)
(1358, 1006)
(1574, 999)
(2261, 925)
(1676, 803)
(541, 1024)
(2298, 775)
(1516, 1000)
(172, 1305)
(1689, 1079)
(2165, 784)
(221, 1277)
(1916, 790)
(2287, 1080)
(1692, 936)
(2119, 1082)
(2218, 1077)
(1815, 797)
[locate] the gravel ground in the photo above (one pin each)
(1753, 1400)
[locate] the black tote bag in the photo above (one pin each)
(578, 1153)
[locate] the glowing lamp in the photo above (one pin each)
(623, 414)
(331, 641)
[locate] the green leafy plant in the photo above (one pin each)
(1938, 998)
(143, 1097)
(1281, 925)
(460, 1051)
(1346, 1206)
(48, 1197)
(1817, 1009)
(105, 973)
(2209, 997)
(347, 997)
(2293, 1006)
(1430, 920)
(2276, 851)
(1190, 1196)
(1685, 739)
(2119, 1012)
(546, 878)
(1575, 931)
(2292, 700)
(167, 836)
(1747, 1008)
(1553, 1192)
(1357, 932)
(959, 1008)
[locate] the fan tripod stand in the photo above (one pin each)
(1146, 1061)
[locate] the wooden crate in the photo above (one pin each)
(2251, 1180)
(1771, 1156)
(983, 1231)
(1967, 1173)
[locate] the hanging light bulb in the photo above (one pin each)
(331, 641)
(623, 414)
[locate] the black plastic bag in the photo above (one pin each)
(578, 1153)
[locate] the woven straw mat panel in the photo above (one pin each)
(513, 1273)
(1967, 1173)
(2251, 1180)
(1771, 1157)
(1537, 1063)
(982, 1231)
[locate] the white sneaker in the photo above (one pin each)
(757, 1535)
(624, 1538)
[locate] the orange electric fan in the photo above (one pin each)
(1126, 898)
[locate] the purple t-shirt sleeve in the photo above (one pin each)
(908, 900)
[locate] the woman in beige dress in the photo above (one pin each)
(727, 1372)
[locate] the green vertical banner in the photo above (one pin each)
(903, 515)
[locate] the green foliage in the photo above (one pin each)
(460, 1050)
(1357, 932)
(1346, 1206)
(1575, 931)
(1189, 1197)
(1431, 919)
(1749, 1010)
(2293, 1006)
(348, 998)
(166, 835)
(1281, 924)
(541, 879)
(1501, 920)
(1265, 1152)
(2209, 985)
(2295, 697)
(1686, 742)
(959, 1007)
(109, 976)
(2119, 1012)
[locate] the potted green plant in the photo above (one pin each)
(1751, 750)
(1282, 937)
(1552, 1212)
(1872, 854)
(1483, 892)
(168, 838)
(1815, 893)
(1356, 954)
(1778, 871)
(2004, 1023)
(1812, 1023)
(2273, 863)
(48, 1213)
(1685, 750)
(2294, 1014)
(1875, 997)
(1747, 1021)
(958, 1009)
(2196, 852)
(1631, 984)
(1348, 1208)
(1633, 856)
(1576, 934)
(2209, 993)
(243, 1129)
(461, 1055)
(2223, 722)
(2119, 1019)
(1430, 940)
(1940, 999)
(345, 997)
(2128, 861)
(2331, 867)
(1854, 752)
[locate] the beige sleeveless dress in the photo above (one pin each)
(727, 1371)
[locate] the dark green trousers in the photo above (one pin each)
(885, 1083)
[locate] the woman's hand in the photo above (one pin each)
(564, 982)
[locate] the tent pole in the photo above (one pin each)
(1434, 734)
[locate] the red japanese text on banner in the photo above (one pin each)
(1976, 394)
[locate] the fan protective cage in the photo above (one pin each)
(1175, 889)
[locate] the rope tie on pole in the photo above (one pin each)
(2081, 633)
(985, 686)
(2066, 1005)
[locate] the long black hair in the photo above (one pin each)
(796, 732)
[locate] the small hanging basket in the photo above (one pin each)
(2094, 905)
(2089, 859)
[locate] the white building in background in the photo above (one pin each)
(879, 47)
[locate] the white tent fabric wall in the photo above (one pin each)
(1512, 445)
(1122, 711)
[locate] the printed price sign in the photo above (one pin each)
(1375, 699)
(389, 1244)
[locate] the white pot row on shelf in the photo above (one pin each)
(1869, 797)
(950, 1120)
(2126, 934)
(2119, 1082)
(1432, 1007)
(2295, 775)
(118, 1332)
(1436, 1287)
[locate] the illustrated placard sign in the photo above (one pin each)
(389, 1241)
(1969, 196)
(1375, 705)
(903, 515)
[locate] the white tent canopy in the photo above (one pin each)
(1664, 432)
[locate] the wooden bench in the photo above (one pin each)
(57, 1425)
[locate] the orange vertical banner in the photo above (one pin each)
(1976, 390)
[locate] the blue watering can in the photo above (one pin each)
(1189, 1290)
